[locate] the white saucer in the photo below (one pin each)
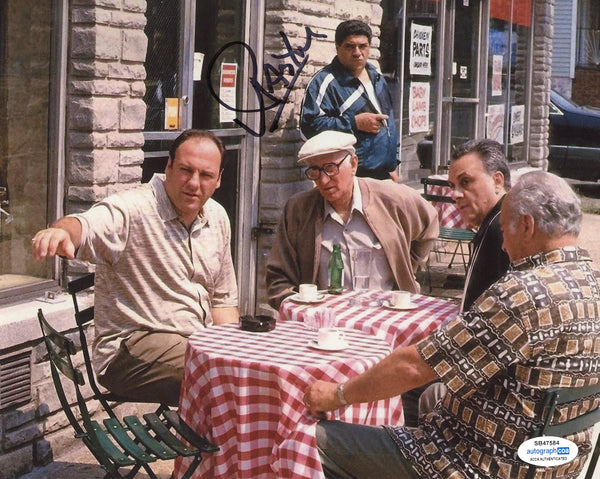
(298, 299)
(334, 347)
(400, 308)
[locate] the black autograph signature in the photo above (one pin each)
(273, 76)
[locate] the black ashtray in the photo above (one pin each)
(257, 324)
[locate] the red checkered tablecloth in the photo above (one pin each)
(398, 328)
(244, 392)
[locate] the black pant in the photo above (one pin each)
(410, 405)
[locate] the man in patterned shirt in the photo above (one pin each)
(163, 269)
(536, 328)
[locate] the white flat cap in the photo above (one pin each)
(326, 142)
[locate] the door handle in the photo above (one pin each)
(457, 99)
(3, 196)
(9, 217)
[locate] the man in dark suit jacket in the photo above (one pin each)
(480, 177)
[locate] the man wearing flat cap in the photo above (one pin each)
(390, 219)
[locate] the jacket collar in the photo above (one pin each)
(559, 255)
(344, 77)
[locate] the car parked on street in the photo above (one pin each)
(574, 140)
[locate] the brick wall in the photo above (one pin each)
(105, 107)
(586, 86)
(541, 80)
(106, 110)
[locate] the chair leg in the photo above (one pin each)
(195, 463)
(429, 277)
(149, 471)
(463, 255)
(593, 461)
(454, 254)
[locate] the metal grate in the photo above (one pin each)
(15, 379)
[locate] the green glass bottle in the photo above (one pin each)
(336, 271)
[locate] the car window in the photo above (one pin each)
(554, 110)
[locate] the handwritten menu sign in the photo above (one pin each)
(418, 107)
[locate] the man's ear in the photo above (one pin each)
(498, 178)
(528, 224)
(354, 162)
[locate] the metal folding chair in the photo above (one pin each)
(133, 443)
(459, 237)
(558, 396)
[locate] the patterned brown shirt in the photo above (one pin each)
(537, 327)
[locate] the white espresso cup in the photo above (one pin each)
(400, 299)
(330, 337)
(307, 292)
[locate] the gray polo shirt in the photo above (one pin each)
(151, 272)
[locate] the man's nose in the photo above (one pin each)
(323, 178)
(194, 179)
(455, 193)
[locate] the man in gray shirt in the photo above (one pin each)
(163, 269)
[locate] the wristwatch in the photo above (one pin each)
(340, 394)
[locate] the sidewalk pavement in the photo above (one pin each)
(446, 283)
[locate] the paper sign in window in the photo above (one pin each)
(198, 63)
(517, 124)
(495, 123)
(420, 49)
(497, 75)
(227, 92)
(418, 107)
(172, 119)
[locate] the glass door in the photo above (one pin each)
(460, 116)
(196, 73)
(509, 76)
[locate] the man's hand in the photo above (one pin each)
(321, 396)
(62, 238)
(50, 242)
(225, 315)
(370, 122)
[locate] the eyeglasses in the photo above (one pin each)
(330, 169)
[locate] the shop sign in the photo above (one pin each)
(420, 49)
(418, 107)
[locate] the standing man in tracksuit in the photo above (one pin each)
(351, 96)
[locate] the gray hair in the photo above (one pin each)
(549, 199)
(492, 156)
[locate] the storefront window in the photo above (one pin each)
(509, 49)
(218, 31)
(25, 69)
(588, 45)
(162, 64)
(408, 44)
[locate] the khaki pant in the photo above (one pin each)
(148, 367)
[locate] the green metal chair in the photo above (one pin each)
(115, 445)
(460, 237)
(558, 396)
